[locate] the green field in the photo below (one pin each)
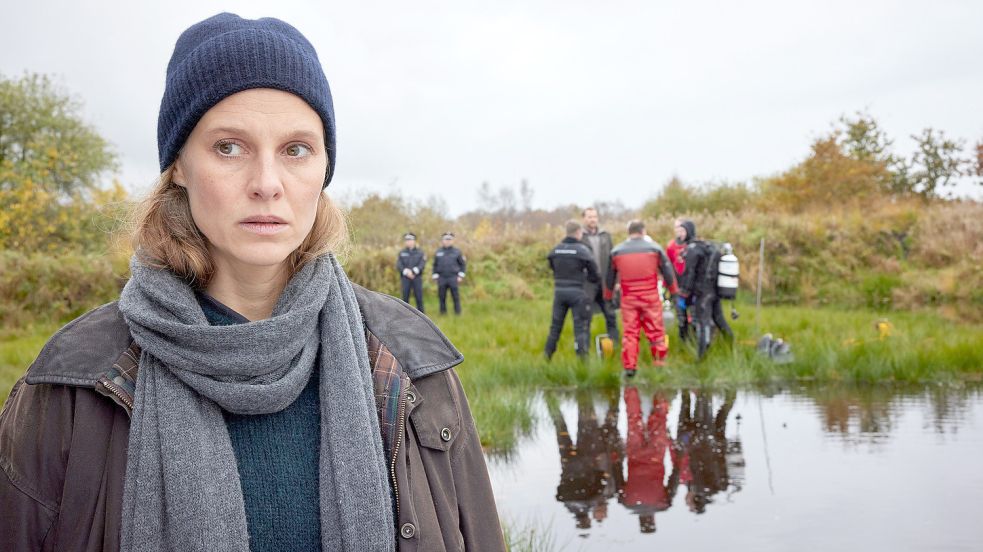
(17, 351)
(504, 367)
(503, 341)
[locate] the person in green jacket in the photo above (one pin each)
(243, 393)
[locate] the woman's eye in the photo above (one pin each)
(230, 149)
(298, 150)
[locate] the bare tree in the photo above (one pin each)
(978, 162)
(486, 199)
(525, 195)
(507, 201)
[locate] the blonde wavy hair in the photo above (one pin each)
(165, 235)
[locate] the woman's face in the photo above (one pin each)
(680, 231)
(253, 168)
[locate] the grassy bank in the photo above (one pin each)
(17, 350)
(503, 344)
(890, 256)
(503, 340)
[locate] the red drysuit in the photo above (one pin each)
(638, 263)
(646, 489)
(675, 253)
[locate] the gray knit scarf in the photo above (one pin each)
(182, 489)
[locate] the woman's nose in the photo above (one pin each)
(267, 183)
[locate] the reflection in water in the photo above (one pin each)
(705, 454)
(675, 461)
(590, 469)
(646, 490)
(863, 406)
(867, 414)
(701, 456)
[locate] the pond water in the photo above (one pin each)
(802, 468)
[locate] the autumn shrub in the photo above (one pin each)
(379, 221)
(39, 287)
(828, 177)
(53, 171)
(503, 263)
(890, 254)
(35, 220)
(677, 198)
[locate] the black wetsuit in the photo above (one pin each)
(701, 291)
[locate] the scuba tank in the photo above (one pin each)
(728, 270)
(668, 310)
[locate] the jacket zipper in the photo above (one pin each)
(117, 391)
(399, 441)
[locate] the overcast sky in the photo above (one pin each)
(587, 101)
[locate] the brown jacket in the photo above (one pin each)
(64, 432)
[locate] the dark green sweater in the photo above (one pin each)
(277, 455)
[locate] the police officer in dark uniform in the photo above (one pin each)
(409, 264)
(573, 264)
(449, 266)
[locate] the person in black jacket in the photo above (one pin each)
(449, 267)
(698, 288)
(409, 264)
(573, 264)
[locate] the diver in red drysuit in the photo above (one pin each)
(636, 265)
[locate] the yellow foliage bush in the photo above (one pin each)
(33, 219)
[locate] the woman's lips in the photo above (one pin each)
(264, 226)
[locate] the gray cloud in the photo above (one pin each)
(586, 102)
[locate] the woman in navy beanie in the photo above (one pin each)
(243, 394)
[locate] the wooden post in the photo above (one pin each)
(761, 270)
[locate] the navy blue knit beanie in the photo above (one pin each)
(225, 54)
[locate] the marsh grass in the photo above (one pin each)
(17, 350)
(503, 341)
(525, 536)
(504, 365)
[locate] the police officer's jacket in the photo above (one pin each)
(449, 262)
(413, 259)
(573, 264)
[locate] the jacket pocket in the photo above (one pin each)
(437, 419)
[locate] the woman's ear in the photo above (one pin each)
(177, 175)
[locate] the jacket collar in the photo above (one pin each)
(82, 352)
(413, 339)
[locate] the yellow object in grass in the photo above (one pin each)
(605, 346)
(884, 328)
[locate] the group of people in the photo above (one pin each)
(699, 305)
(591, 275)
(701, 457)
(449, 270)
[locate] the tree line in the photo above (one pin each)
(57, 191)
